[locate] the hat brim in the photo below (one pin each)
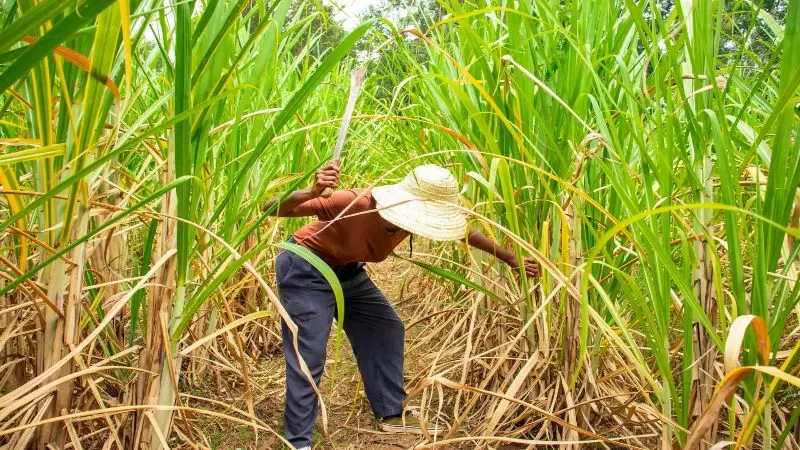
(433, 219)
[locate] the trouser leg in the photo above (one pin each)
(377, 335)
(312, 311)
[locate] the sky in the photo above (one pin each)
(350, 10)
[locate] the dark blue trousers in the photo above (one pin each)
(371, 324)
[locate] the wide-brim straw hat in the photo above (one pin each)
(425, 203)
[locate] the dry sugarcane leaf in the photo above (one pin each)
(81, 61)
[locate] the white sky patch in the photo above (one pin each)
(349, 11)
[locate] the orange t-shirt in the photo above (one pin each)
(358, 236)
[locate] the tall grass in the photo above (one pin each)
(655, 173)
(652, 171)
(108, 139)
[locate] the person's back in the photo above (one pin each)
(348, 229)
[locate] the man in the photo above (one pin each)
(354, 227)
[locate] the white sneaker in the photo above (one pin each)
(305, 448)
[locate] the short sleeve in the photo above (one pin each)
(328, 208)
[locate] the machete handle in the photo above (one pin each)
(327, 192)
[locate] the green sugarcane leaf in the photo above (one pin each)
(209, 287)
(332, 280)
(234, 15)
(32, 154)
(103, 160)
(44, 46)
(205, 18)
(184, 149)
(454, 276)
(139, 297)
(104, 49)
(295, 103)
(28, 22)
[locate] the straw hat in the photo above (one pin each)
(424, 203)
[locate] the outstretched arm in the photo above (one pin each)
(483, 243)
(296, 204)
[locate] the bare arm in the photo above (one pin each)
(483, 243)
(291, 205)
(296, 204)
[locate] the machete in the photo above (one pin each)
(356, 81)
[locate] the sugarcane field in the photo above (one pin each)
(388, 224)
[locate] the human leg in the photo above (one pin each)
(377, 336)
(311, 307)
